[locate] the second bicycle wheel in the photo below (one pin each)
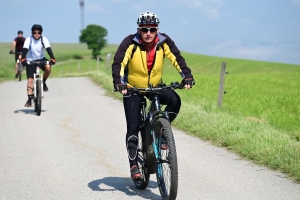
(19, 75)
(141, 161)
(166, 165)
(38, 99)
(20, 71)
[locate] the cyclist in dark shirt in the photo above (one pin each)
(17, 45)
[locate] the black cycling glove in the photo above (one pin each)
(11, 52)
(188, 81)
(120, 87)
(52, 61)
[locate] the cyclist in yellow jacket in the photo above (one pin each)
(139, 62)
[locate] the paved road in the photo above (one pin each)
(76, 150)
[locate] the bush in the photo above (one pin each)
(76, 56)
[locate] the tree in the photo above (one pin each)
(93, 36)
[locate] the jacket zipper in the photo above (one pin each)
(153, 62)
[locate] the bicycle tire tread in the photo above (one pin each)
(39, 97)
(172, 158)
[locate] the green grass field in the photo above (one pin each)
(260, 91)
(260, 115)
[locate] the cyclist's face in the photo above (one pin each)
(148, 36)
(20, 35)
(36, 33)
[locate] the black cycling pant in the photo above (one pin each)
(133, 106)
(31, 69)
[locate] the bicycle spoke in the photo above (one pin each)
(166, 173)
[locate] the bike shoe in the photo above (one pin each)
(135, 173)
(16, 76)
(164, 144)
(45, 88)
(28, 103)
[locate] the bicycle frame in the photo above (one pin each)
(37, 76)
(20, 67)
(154, 113)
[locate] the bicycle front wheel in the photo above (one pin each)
(166, 165)
(38, 99)
(20, 75)
(20, 71)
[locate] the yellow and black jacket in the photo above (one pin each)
(130, 63)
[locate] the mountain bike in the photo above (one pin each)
(20, 66)
(38, 85)
(20, 69)
(156, 130)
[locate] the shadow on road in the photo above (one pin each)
(125, 185)
(27, 111)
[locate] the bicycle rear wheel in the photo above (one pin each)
(142, 164)
(166, 166)
(38, 99)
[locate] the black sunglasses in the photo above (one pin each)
(36, 32)
(145, 30)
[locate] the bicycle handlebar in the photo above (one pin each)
(37, 62)
(19, 53)
(172, 86)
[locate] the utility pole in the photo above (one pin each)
(81, 3)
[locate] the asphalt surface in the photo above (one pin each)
(76, 150)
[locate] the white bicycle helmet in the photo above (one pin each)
(147, 18)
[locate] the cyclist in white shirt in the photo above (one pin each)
(33, 50)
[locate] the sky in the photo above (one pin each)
(267, 30)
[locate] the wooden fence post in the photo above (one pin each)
(221, 87)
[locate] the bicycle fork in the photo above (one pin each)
(155, 143)
(36, 76)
